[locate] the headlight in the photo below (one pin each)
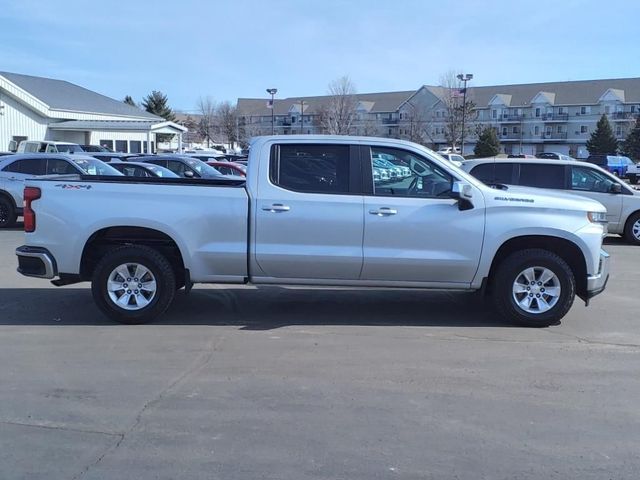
(597, 217)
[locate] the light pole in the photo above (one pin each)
(272, 92)
(302, 105)
(464, 78)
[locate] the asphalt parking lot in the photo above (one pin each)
(274, 383)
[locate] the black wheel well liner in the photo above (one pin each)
(565, 249)
(9, 197)
(105, 239)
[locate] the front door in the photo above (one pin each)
(309, 218)
(414, 231)
(592, 183)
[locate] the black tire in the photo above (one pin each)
(628, 229)
(633, 179)
(150, 259)
(509, 271)
(7, 213)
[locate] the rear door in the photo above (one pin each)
(16, 173)
(414, 231)
(308, 218)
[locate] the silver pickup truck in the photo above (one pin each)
(313, 213)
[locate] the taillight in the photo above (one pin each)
(30, 194)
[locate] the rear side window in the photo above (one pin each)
(311, 168)
(542, 176)
(36, 166)
(55, 166)
(494, 172)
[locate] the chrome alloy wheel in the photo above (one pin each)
(536, 290)
(131, 286)
(635, 229)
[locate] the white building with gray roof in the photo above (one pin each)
(529, 118)
(37, 108)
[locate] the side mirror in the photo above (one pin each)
(463, 192)
(188, 174)
(615, 188)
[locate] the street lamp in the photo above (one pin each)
(464, 78)
(272, 92)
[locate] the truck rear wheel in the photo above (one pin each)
(534, 287)
(7, 213)
(133, 284)
(633, 179)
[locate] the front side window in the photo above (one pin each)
(590, 180)
(56, 166)
(542, 175)
(406, 174)
(311, 168)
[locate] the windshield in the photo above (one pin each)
(95, 167)
(70, 147)
(202, 168)
(161, 171)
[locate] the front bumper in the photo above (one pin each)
(597, 283)
(36, 262)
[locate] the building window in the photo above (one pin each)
(121, 146)
(107, 143)
(607, 109)
(494, 114)
(135, 146)
(560, 110)
(559, 129)
(584, 129)
(389, 132)
(504, 130)
(536, 130)
(514, 129)
(583, 110)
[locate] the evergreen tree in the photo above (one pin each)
(631, 145)
(602, 139)
(158, 104)
(488, 144)
(129, 101)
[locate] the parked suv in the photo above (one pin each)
(31, 146)
(581, 178)
(615, 164)
(15, 169)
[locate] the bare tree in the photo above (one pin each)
(337, 115)
(206, 126)
(416, 124)
(227, 121)
(455, 108)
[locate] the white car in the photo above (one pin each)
(15, 169)
(573, 176)
(453, 158)
(32, 146)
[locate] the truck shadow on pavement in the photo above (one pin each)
(262, 308)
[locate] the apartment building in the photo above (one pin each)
(529, 118)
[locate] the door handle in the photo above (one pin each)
(383, 212)
(14, 179)
(277, 207)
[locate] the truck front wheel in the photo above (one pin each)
(534, 287)
(133, 284)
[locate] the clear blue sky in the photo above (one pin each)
(230, 49)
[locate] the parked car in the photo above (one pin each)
(95, 148)
(448, 150)
(633, 173)
(309, 214)
(142, 169)
(553, 156)
(207, 156)
(183, 166)
(392, 162)
(32, 146)
(453, 158)
(229, 168)
(615, 164)
(520, 155)
(575, 177)
(114, 156)
(14, 169)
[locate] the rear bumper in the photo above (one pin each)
(598, 282)
(36, 262)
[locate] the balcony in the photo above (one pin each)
(555, 117)
(624, 115)
(509, 118)
(389, 121)
(554, 136)
(510, 136)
